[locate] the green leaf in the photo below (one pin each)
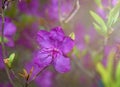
(72, 35)
(11, 58)
(100, 26)
(113, 15)
(117, 75)
(98, 29)
(110, 61)
(100, 68)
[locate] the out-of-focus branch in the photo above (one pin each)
(3, 46)
(73, 13)
(81, 67)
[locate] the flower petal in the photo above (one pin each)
(10, 29)
(43, 39)
(42, 58)
(57, 34)
(67, 45)
(62, 64)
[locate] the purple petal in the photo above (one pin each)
(62, 64)
(10, 28)
(57, 34)
(30, 7)
(67, 45)
(43, 39)
(114, 2)
(101, 12)
(43, 58)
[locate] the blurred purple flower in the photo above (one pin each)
(79, 38)
(45, 79)
(59, 10)
(106, 2)
(30, 7)
(27, 37)
(101, 12)
(54, 46)
(9, 31)
(114, 2)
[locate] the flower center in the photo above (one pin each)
(55, 52)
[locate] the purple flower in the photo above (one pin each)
(106, 2)
(58, 10)
(27, 37)
(114, 2)
(101, 12)
(54, 46)
(30, 7)
(9, 31)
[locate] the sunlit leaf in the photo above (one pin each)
(98, 29)
(110, 61)
(10, 60)
(102, 71)
(118, 72)
(113, 15)
(72, 35)
(101, 26)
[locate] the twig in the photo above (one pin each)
(3, 46)
(16, 77)
(80, 66)
(38, 74)
(73, 13)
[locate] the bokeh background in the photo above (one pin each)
(30, 16)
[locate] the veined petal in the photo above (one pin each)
(43, 58)
(43, 39)
(67, 45)
(62, 64)
(57, 34)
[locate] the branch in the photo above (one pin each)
(3, 46)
